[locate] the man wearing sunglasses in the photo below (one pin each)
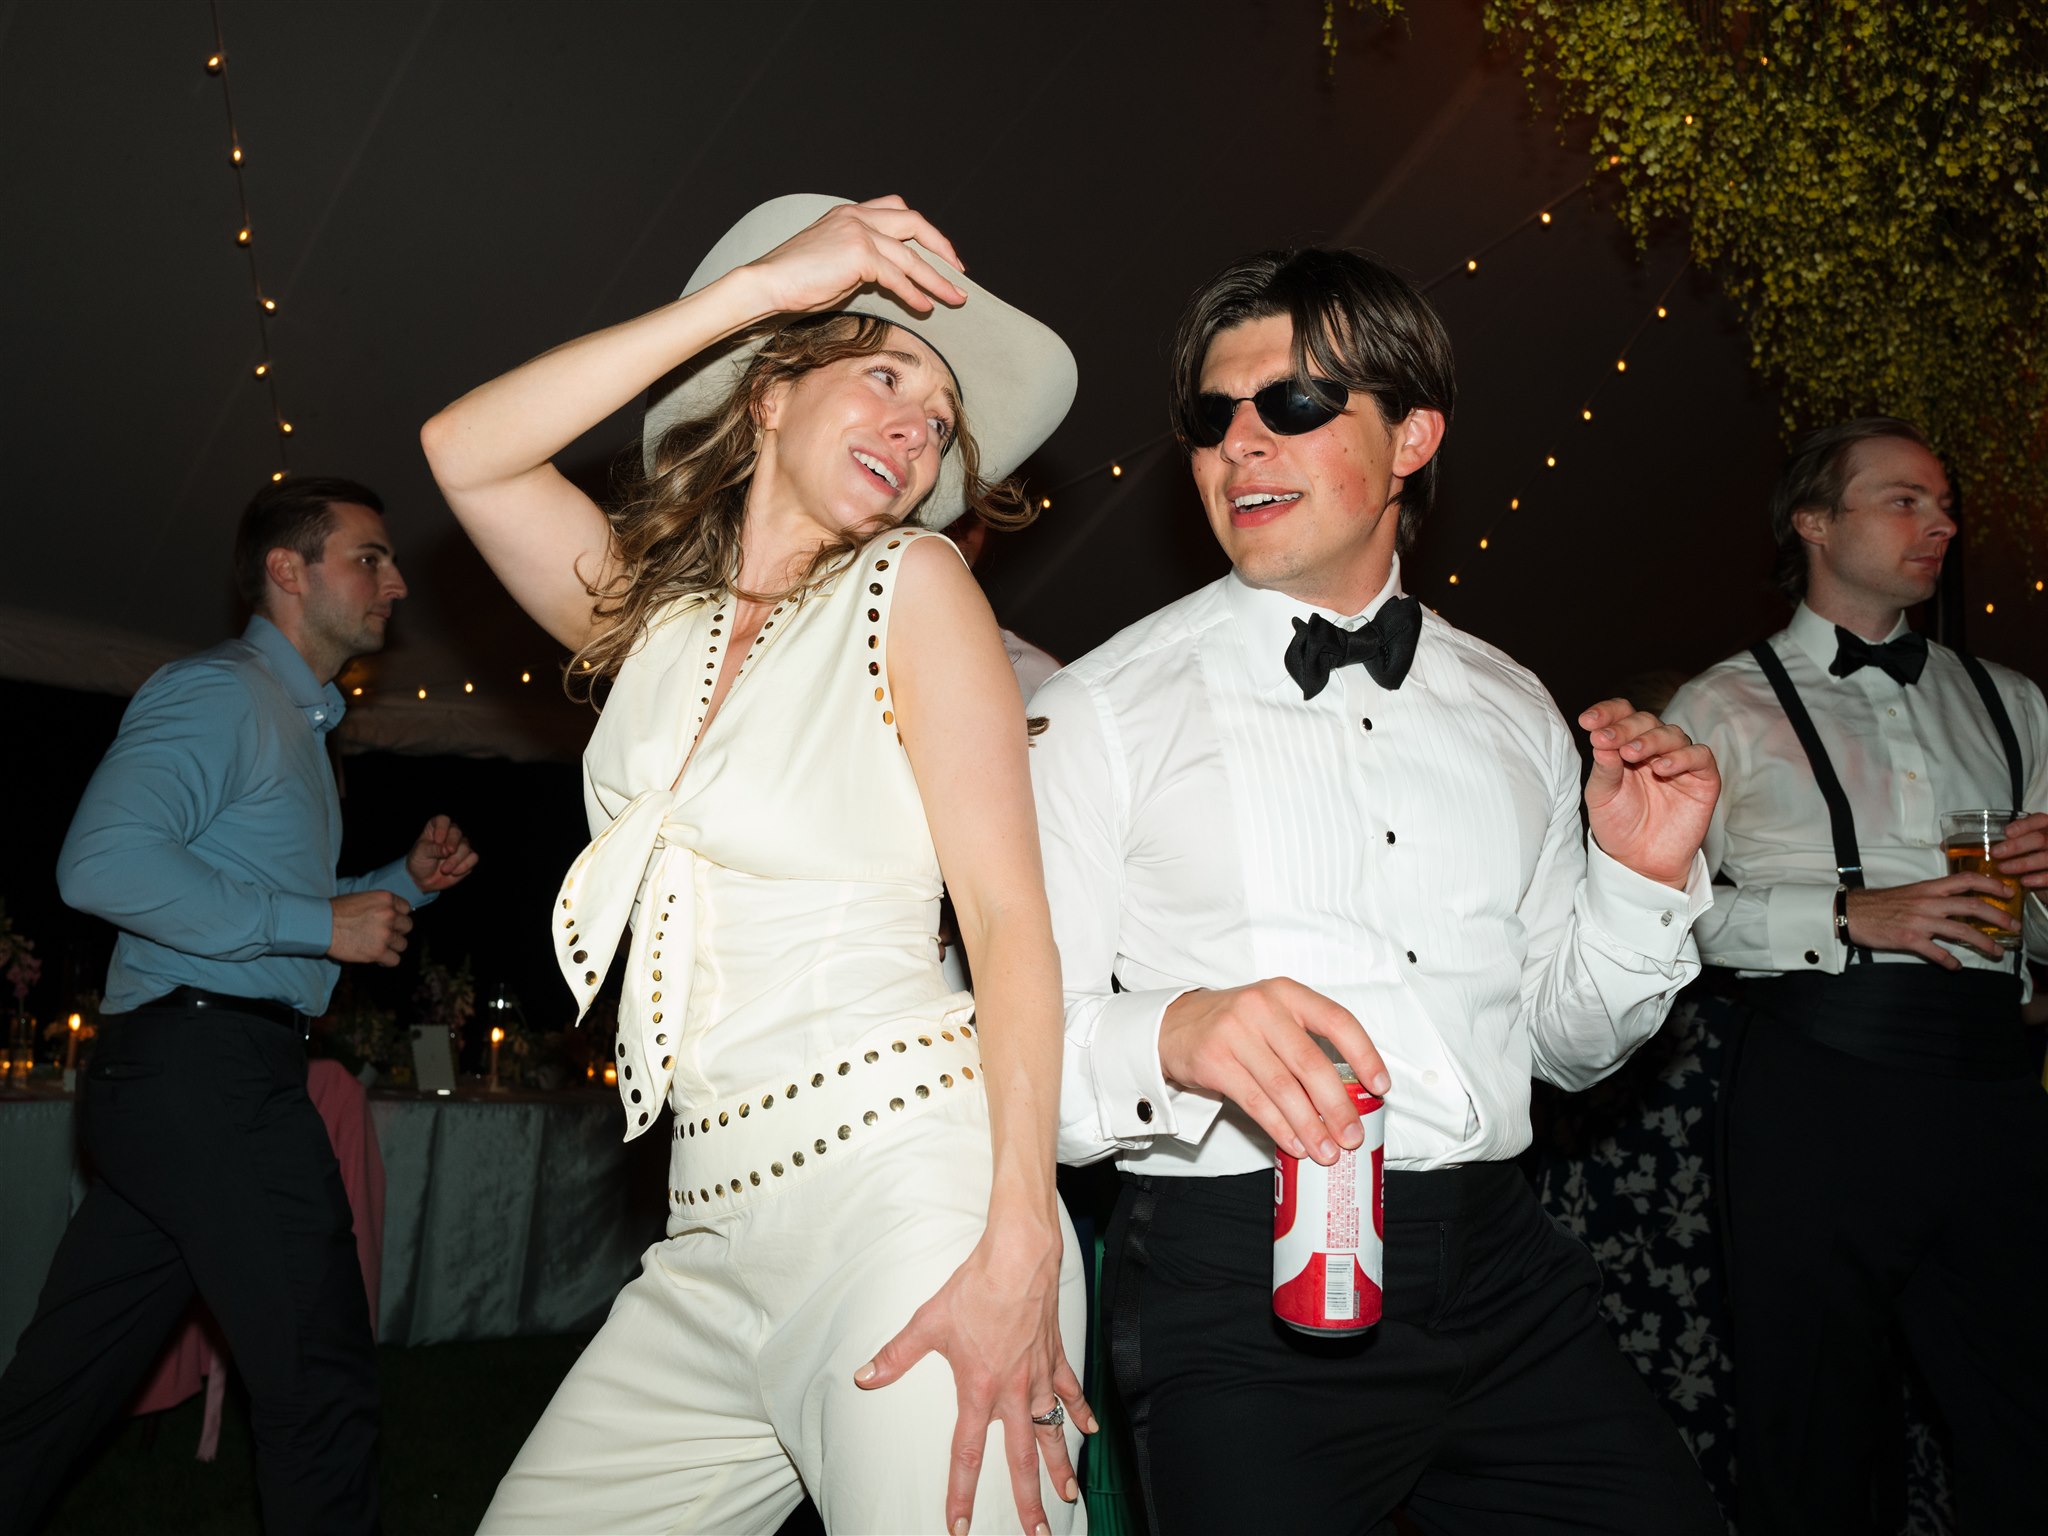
(1295, 817)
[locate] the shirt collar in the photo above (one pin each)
(321, 702)
(1265, 620)
(1815, 635)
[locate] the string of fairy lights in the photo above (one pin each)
(245, 240)
(1540, 218)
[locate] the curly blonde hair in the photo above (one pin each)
(677, 524)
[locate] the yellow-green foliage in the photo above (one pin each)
(1863, 177)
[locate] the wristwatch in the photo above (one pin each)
(1842, 912)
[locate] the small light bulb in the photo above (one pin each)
(235, 154)
(526, 677)
(423, 693)
(1688, 119)
(1472, 265)
(1045, 503)
(1614, 159)
(2037, 586)
(1991, 607)
(1514, 503)
(1662, 311)
(1116, 471)
(355, 693)
(1587, 414)
(285, 427)
(469, 687)
(213, 63)
(270, 306)
(277, 476)
(1621, 365)
(242, 235)
(1550, 461)
(1454, 578)
(586, 666)
(262, 369)
(497, 1035)
(1546, 215)
(1482, 543)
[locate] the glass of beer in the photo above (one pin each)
(1967, 837)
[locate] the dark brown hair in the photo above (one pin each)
(293, 514)
(1356, 321)
(676, 530)
(1814, 478)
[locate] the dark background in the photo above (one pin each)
(440, 188)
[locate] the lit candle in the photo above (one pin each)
(497, 1039)
(71, 1045)
(611, 1077)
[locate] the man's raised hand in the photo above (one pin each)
(1651, 792)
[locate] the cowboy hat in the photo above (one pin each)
(1016, 378)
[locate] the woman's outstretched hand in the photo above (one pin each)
(997, 1323)
(850, 247)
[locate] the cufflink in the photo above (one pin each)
(1145, 1111)
(1664, 918)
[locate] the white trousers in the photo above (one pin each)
(720, 1390)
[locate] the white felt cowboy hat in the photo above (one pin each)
(1016, 378)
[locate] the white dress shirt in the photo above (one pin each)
(1416, 855)
(1904, 754)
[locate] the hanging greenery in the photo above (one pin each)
(1864, 179)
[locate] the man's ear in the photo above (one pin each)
(1416, 440)
(1811, 524)
(286, 569)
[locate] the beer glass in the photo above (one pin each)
(1967, 837)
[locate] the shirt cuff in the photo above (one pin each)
(393, 878)
(1800, 927)
(301, 925)
(1132, 1096)
(1646, 915)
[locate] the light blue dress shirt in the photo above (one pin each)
(210, 831)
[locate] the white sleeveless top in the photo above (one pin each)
(784, 895)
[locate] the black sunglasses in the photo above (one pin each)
(1290, 408)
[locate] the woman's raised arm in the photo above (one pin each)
(491, 450)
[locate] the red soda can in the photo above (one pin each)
(1329, 1229)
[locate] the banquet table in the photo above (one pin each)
(505, 1213)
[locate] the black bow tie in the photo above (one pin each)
(1385, 646)
(1904, 658)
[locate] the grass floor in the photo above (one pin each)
(454, 1416)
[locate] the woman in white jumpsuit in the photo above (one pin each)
(868, 1290)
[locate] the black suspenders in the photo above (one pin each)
(1994, 706)
(1841, 820)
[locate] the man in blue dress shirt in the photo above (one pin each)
(208, 836)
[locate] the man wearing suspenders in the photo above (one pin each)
(1886, 1134)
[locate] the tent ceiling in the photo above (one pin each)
(440, 189)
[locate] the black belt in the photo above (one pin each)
(1918, 1018)
(219, 1002)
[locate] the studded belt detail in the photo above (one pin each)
(727, 1155)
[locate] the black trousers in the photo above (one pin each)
(1867, 1204)
(214, 1174)
(1489, 1400)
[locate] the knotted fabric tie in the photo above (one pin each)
(1904, 658)
(1384, 646)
